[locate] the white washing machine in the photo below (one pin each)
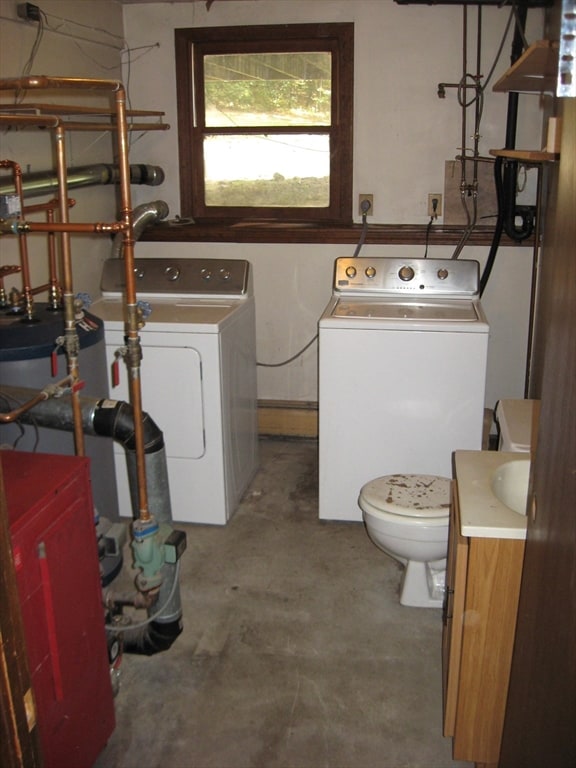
(402, 369)
(198, 377)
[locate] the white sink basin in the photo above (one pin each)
(510, 484)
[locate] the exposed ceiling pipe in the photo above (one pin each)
(143, 216)
(46, 182)
(115, 419)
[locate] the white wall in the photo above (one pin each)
(403, 133)
(402, 136)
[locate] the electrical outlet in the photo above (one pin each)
(369, 199)
(434, 205)
(28, 11)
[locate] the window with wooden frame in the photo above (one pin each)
(265, 122)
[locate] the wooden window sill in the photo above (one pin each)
(378, 234)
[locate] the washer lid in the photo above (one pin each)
(424, 496)
(418, 311)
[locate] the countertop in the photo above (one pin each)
(481, 514)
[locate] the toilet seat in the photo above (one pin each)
(418, 498)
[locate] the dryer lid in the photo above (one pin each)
(423, 496)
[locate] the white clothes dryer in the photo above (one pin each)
(402, 369)
(198, 377)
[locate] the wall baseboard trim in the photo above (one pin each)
(287, 418)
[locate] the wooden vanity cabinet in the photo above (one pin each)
(481, 602)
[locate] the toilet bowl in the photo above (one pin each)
(407, 517)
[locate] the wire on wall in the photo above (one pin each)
(118, 46)
(290, 359)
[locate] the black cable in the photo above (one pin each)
(364, 230)
(5, 398)
(290, 359)
(365, 208)
(498, 228)
(428, 229)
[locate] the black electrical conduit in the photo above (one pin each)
(115, 419)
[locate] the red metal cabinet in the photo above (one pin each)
(56, 561)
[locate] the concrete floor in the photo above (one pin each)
(295, 652)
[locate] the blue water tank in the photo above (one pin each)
(25, 361)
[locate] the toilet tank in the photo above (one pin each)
(518, 422)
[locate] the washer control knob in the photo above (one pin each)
(172, 273)
(225, 274)
(206, 274)
(406, 273)
(350, 272)
(370, 272)
(442, 274)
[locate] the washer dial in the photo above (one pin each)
(406, 273)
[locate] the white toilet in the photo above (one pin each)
(407, 516)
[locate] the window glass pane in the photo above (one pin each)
(259, 89)
(268, 170)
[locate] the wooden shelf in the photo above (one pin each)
(536, 71)
(526, 155)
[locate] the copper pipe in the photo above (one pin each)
(40, 288)
(48, 391)
(72, 341)
(75, 126)
(54, 289)
(67, 109)
(9, 269)
(132, 337)
(40, 121)
(8, 418)
(51, 121)
(22, 241)
(14, 228)
(44, 82)
(51, 205)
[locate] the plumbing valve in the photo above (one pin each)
(58, 344)
(120, 352)
(144, 308)
(15, 299)
(147, 548)
(81, 302)
(153, 545)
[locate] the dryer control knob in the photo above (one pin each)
(405, 273)
(370, 272)
(350, 272)
(172, 273)
(442, 274)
